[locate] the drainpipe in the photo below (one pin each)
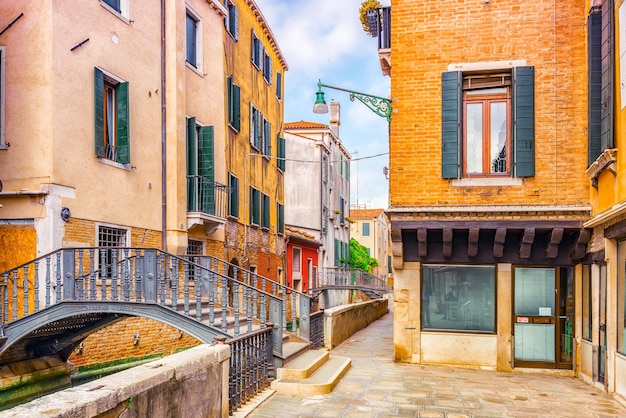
(163, 135)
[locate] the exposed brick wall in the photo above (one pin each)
(427, 36)
(116, 342)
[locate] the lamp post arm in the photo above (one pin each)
(379, 105)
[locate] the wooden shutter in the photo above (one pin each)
(451, 123)
(234, 21)
(607, 75)
(192, 163)
(281, 153)
(523, 98)
(99, 111)
(236, 107)
(122, 120)
(279, 80)
(206, 152)
(594, 85)
(192, 166)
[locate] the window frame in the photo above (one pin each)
(255, 206)
(256, 127)
(256, 54)
(280, 211)
(280, 154)
(119, 152)
(455, 284)
(485, 100)
(267, 67)
(265, 211)
(234, 104)
(197, 64)
(106, 272)
(365, 229)
(279, 87)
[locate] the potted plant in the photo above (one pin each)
(369, 16)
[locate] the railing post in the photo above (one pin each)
(69, 292)
(149, 271)
(276, 318)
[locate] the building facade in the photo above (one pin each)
(255, 147)
(172, 142)
(602, 330)
(317, 189)
(488, 191)
(370, 227)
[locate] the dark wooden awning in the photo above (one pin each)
(491, 241)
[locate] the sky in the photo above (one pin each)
(323, 40)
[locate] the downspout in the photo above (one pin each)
(163, 135)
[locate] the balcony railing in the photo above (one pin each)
(206, 196)
(384, 29)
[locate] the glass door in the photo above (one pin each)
(534, 317)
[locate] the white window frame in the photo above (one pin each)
(198, 67)
(123, 13)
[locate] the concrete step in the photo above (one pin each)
(313, 373)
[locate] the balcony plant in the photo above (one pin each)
(368, 15)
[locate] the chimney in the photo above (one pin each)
(334, 118)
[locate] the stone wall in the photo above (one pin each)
(343, 321)
(190, 383)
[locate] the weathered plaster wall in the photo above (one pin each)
(191, 383)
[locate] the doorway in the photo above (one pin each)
(600, 363)
(543, 315)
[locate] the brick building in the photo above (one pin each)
(488, 191)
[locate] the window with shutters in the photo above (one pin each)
(256, 127)
(257, 52)
(234, 104)
(255, 206)
(488, 123)
(280, 209)
(279, 85)
(366, 229)
(267, 67)
(112, 140)
(231, 21)
(200, 173)
(265, 211)
(233, 199)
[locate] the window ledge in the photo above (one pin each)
(487, 181)
(104, 161)
(194, 69)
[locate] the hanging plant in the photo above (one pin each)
(368, 14)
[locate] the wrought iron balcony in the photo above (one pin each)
(384, 39)
(206, 197)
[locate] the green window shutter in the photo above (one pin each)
(192, 181)
(236, 107)
(229, 98)
(281, 219)
(279, 80)
(234, 21)
(192, 164)
(233, 189)
(451, 123)
(206, 152)
(122, 120)
(607, 75)
(252, 119)
(281, 153)
(266, 211)
(99, 111)
(523, 98)
(594, 85)
(337, 254)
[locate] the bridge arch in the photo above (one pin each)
(101, 313)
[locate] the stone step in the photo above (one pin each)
(319, 373)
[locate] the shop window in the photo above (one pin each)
(458, 298)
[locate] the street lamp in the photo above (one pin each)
(379, 105)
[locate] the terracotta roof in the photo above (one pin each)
(365, 213)
(304, 125)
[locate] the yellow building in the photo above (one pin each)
(370, 227)
(602, 327)
(255, 69)
(488, 191)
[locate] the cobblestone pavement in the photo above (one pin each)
(375, 386)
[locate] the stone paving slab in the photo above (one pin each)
(377, 387)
